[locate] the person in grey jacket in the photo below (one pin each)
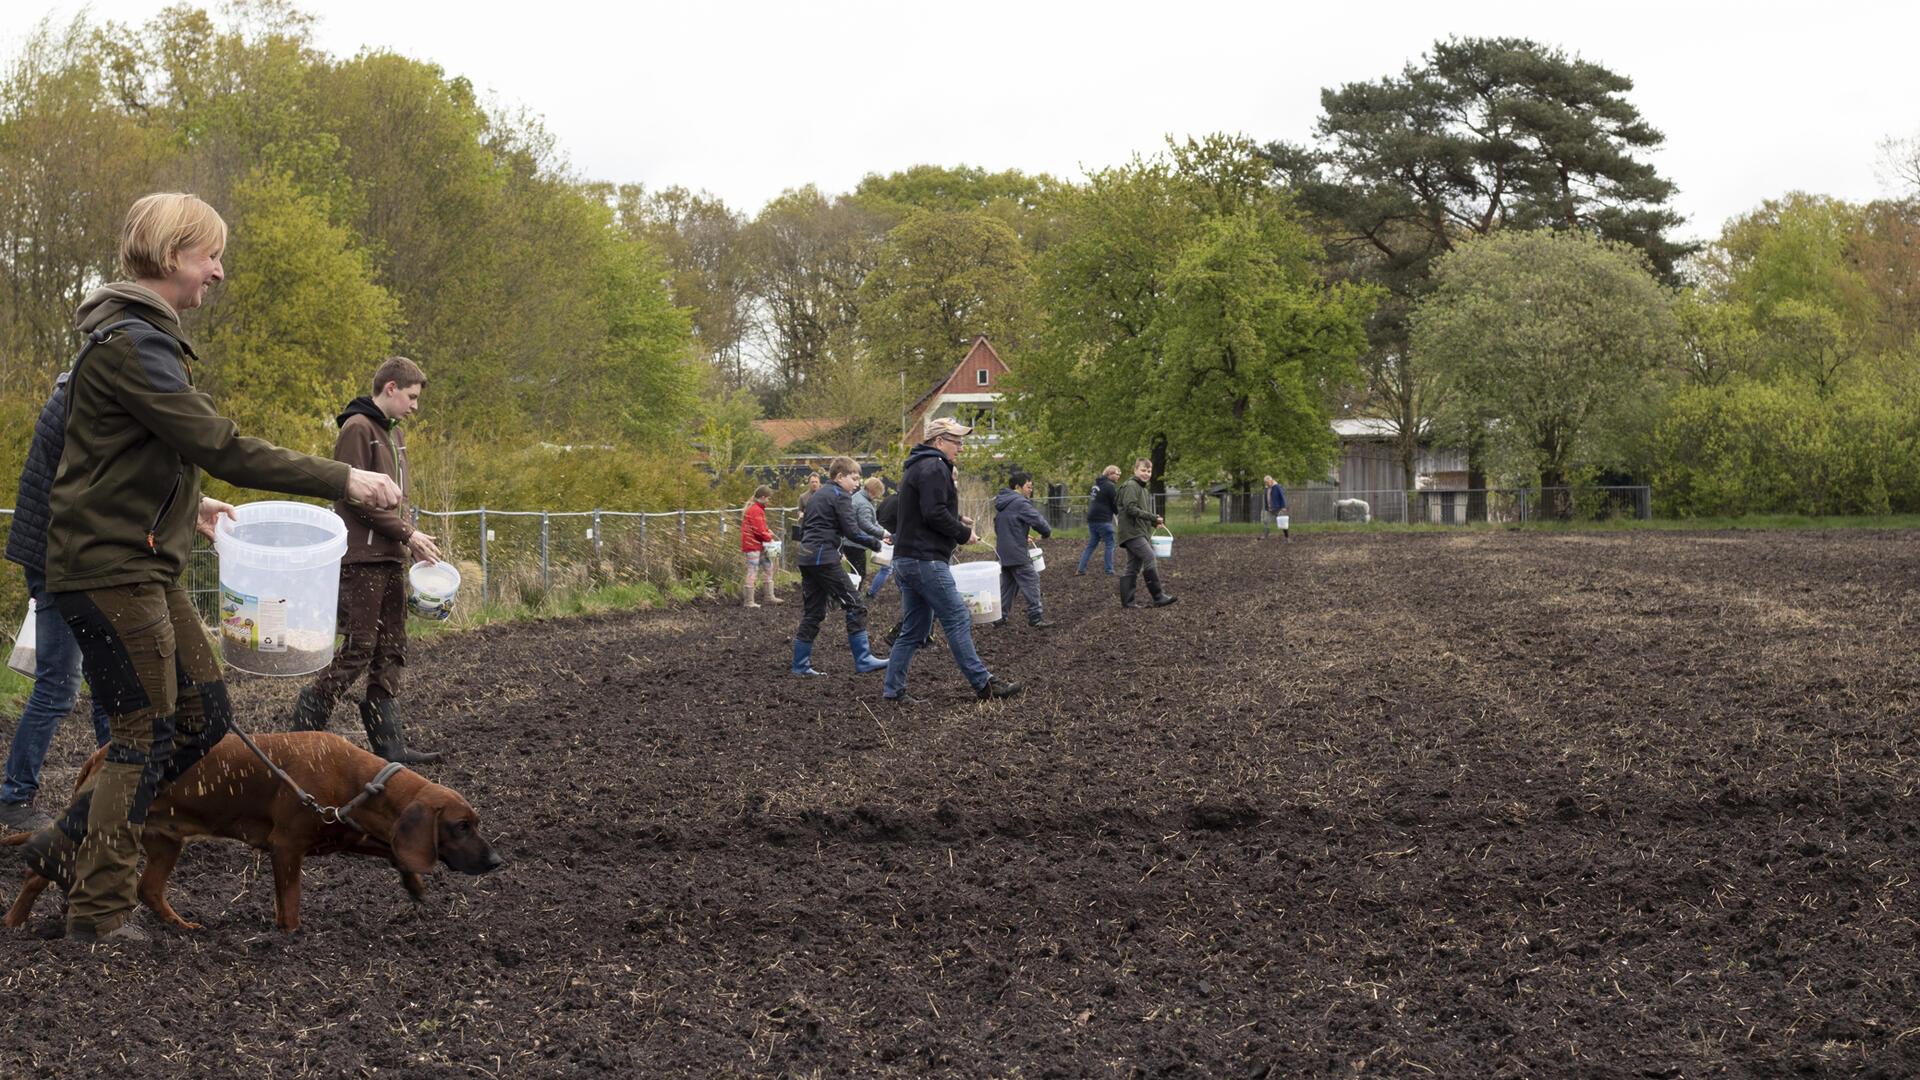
(1014, 515)
(863, 516)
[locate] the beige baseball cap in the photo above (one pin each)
(946, 425)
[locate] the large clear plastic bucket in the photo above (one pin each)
(979, 585)
(279, 586)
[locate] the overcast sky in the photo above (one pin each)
(747, 99)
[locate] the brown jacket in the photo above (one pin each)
(368, 440)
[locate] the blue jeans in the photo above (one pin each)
(879, 581)
(1098, 532)
(927, 592)
(56, 686)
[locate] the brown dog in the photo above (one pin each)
(414, 823)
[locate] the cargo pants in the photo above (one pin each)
(372, 615)
(150, 662)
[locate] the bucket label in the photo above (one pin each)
(983, 603)
(253, 622)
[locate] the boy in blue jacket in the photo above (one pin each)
(1013, 516)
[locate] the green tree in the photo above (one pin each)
(703, 243)
(300, 325)
(71, 162)
(1483, 134)
(1016, 199)
(941, 278)
(1539, 336)
(1255, 351)
(809, 255)
(1185, 320)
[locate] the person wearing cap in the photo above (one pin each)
(930, 528)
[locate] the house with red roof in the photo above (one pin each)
(970, 393)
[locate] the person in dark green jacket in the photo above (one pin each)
(125, 506)
(1134, 522)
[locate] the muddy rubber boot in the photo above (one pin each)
(1160, 597)
(863, 659)
(803, 658)
(310, 712)
(382, 719)
(52, 850)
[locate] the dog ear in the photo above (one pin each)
(416, 838)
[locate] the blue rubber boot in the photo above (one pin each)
(863, 659)
(803, 658)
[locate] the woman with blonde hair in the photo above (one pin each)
(125, 505)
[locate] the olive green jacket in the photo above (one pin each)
(1134, 514)
(127, 491)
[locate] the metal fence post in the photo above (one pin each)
(546, 577)
(643, 545)
(596, 534)
(486, 575)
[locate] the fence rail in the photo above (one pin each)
(524, 556)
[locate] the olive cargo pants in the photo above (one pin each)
(150, 662)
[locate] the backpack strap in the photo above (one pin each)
(95, 337)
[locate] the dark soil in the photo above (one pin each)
(1468, 805)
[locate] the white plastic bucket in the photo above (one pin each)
(979, 586)
(1038, 558)
(24, 657)
(770, 551)
(1163, 545)
(855, 579)
(1280, 521)
(279, 586)
(431, 588)
(883, 557)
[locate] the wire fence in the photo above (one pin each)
(528, 556)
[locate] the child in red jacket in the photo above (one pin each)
(754, 535)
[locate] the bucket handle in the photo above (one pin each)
(1157, 529)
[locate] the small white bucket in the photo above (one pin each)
(979, 587)
(431, 588)
(1163, 545)
(1038, 558)
(1280, 521)
(855, 578)
(770, 551)
(24, 657)
(883, 557)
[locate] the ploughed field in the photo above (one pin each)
(1500, 804)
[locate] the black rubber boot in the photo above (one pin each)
(51, 851)
(310, 713)
(382, 719)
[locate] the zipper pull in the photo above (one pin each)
(151, 546)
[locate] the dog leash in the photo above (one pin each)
(328, 814)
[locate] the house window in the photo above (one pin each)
(980, 377)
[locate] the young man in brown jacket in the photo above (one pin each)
(381, 545)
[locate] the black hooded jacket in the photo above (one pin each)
(930, 525)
